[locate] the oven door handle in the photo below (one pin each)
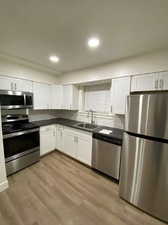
(20, 133)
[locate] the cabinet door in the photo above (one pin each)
(23, 85)
(67, 96)
(70, 144)
(144, 83)
(59, 138)
(120, 89)
(163, 80)
(14, 84)
(84, 151)
(47, 139)
(56, 96)
(6, 84)
(42, 96)
(70, 97)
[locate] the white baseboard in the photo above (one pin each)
(3, 186)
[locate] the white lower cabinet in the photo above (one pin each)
(78, 144)
(60, 137)
(84, 150)
(73, 142)
(47, 139)
(70, 144)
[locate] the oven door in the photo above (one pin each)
(21, 143)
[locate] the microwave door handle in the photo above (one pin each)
(24, 99)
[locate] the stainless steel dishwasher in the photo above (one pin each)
(106, 153)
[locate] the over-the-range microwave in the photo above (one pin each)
(15, 99)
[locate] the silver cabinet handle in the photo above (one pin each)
(15, 87)
(156, 84)
(11, 86)
(162, 83)
(111, 108)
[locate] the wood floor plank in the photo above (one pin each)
(61, 191)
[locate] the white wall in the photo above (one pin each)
(153, 62)
(9, 68)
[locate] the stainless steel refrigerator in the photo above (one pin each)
(144, 163)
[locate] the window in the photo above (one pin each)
(97, 98)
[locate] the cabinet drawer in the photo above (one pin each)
(47, 128)
(80, 133)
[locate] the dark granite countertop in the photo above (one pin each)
(61, 121)
(117, 134)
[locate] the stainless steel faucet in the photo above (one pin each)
(92, 116)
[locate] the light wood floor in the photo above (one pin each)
(61, 191)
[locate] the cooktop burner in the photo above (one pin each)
(16, 123)
(11, 128)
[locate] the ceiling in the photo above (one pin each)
(34, 29)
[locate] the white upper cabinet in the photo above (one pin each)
(70, 97)
(12, 84)
(144, 83)
(56, 96)
(163, 80)
(120, 89)
(42, 96)
(6, 84)
(150, 82)
(24, 85)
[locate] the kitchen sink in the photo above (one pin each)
(88, 126)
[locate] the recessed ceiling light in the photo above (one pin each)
(54, 58)
(93, 42)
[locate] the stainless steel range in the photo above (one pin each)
(21, 142)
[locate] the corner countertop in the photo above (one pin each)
(116, 134)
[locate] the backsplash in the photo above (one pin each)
(35, 115)
(112, 121)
